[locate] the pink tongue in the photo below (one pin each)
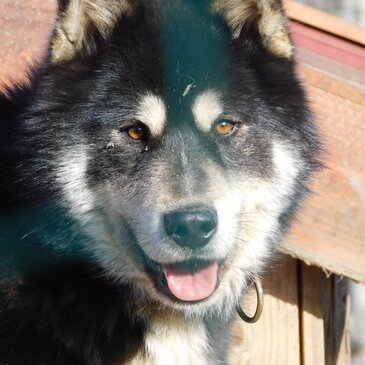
(188, 285)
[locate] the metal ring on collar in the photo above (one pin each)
(259, 306)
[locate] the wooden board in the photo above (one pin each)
(327, 45)
(305, 320)
(274, 339)
(312, 319)
(325, 321)
(329, 23)
(330, 230)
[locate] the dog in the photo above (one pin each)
(147, 175)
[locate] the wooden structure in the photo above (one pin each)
(305, 320)
(306, 314)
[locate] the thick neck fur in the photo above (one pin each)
(176, 340)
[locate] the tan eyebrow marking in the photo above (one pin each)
(151, 110)
(207, 108)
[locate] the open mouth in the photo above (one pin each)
(188, 281)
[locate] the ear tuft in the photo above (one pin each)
(266, 16)
(81, 22)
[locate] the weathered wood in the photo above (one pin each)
(332, 77)
(330, 230)
(329, 46)
(324, 304)
(337, 323)
(312, 284)
(324, 21)
(274, 339)
(305, 321)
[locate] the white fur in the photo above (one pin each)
(263, 202)
(287, 165)
(206, 109)
(151, 110)
(71, 174)
(82, 201)
(174, 341)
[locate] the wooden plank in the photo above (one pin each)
(327, 45)
(330, 230)
(305, 321)
(324, 21)
(333, 84)
(325, 319)
(274, 339)
(338, 323)
(312, 318)
(331, 76)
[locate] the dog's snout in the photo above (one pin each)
(192, 227)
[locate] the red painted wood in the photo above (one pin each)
(329, 46)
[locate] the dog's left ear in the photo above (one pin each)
(82, 23)
(266, 18)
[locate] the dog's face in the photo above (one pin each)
(182, 154)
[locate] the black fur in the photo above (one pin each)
(67, 314)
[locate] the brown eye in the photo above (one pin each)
(137, 133)
(224, 127)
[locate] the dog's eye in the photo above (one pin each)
(137, 133)
(224, 127)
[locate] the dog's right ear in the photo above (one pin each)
(81, 23)
(265, 18)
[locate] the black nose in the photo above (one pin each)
(191, 227)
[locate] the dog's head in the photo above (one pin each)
(183, 140)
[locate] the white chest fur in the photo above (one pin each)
(174, 342)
